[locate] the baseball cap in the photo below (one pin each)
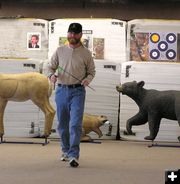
(75, 27)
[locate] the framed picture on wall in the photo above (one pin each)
(33, 41)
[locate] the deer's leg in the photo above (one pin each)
(49, 112)
(2, 108)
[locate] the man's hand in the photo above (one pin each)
(85, 82)
(53, 78)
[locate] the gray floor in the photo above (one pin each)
(105, 162)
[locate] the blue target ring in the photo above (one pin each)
(154, 54)
(162, 46)
(171, 38)
(171, 54)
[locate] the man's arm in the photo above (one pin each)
(90, 70)
(52, 64)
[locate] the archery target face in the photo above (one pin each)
(163, 46)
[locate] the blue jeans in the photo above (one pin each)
(70, 109)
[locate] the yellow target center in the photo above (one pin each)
(155, 38)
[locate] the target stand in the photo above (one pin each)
(163, 145)
(2, 141)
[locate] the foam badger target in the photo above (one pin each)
(163, 46)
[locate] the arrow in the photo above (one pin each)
(62, 69)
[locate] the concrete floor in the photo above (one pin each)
(105, 162)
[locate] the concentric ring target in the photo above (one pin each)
(162, 46)
(171, 54)
(154, 54)
(155, 37)
(171, 38)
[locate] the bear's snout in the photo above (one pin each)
(119, 88)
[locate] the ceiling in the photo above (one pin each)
(94, 1)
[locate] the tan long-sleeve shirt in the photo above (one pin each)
(72, 64)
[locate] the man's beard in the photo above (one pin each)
(73, 41)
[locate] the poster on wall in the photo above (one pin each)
(87, 39)
(98, 48)
(139, 47)
(150, 40)
(95, 45)
(33, 41)
(63, 41)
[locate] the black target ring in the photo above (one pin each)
(171, 38)
(162, 46)
(171, 54)
(154, 54)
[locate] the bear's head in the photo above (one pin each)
(131, 89)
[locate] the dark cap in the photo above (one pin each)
(75, 27)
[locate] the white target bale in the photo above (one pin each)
(105, 38)
(153, 40)
(16, 35)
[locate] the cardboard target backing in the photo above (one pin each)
(163, 46)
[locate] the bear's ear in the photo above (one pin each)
(141, 84)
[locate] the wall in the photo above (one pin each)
(127, 11)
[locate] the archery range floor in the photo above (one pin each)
(101, 162)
